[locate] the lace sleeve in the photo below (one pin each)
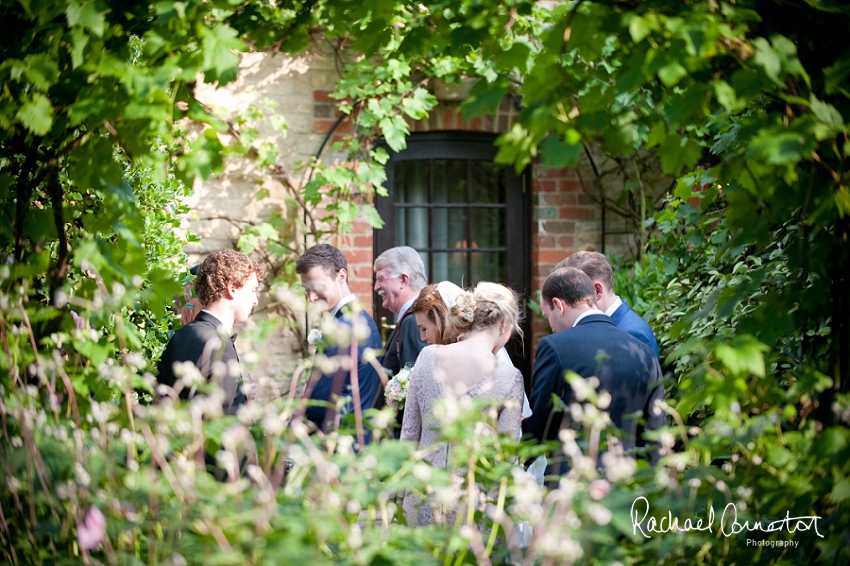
(511, 414)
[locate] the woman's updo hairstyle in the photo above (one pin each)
(487, 305)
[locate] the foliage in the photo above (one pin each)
(745, 102)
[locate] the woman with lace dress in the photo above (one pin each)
(484, 321)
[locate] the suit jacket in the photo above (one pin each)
(404, 344)
(205, 343)
(329, 387)
(627, 319)
(625, 366)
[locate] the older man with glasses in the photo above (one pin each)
(399, 276)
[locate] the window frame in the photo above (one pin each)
(469, 146)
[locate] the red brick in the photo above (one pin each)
(585, 200)
(359, 256)
(361, 272)
(323, 96)
(550, 256)
(361, 227)
(489, 123)
(561, 199)
(448, 120)
(558, 227)
(544, 241)
(567, 243)
(569, 185)
(361, 287)
(475, 124)
(363, 241)
(554, 172)
(544, 186)
(461, 122)
(577, 213)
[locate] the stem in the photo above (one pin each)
(500, 508)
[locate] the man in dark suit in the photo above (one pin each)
(226, 284)
(588, 343)
(324, 276)
(597, 267)
(399, 276)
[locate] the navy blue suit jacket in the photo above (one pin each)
(328, 387)
(627, 319)
(403, 345)
(204, 341)
(625, 366)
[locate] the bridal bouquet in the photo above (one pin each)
(396, 390)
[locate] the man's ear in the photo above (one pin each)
(230, 290)
(600, 290)
(405, 279)
(342, 276)
(559, 305)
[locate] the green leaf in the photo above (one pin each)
(671, 74)
(677, 153)
(516, 57)
(779, 148)
(484, 98)
(370, 213)
(418, 106)
(556, 153)
(768, 59)
(79, 40)
(743, 356)
(840, 491)
(41, 70)
(827, 113)
(395, 130)
(219, 43)
(86, 15)
(36, 114)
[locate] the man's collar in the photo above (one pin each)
(215, 316)
(405, 306)
(586, 314)
(342, 302)
(614, 306)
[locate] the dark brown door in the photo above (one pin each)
(468, 217)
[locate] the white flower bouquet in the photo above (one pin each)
(396, 390)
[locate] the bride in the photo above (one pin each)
(484, 320)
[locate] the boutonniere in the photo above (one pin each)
(314, 337)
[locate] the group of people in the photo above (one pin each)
(453, 338)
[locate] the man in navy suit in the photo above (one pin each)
(226, 284)
(587, 342)
(399, 276)
(597, 267)
(324, 276)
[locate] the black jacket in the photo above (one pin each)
(205, 343)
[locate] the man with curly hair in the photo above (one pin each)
(226, 284)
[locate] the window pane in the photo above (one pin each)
(449, 228)
(488, 267)
(450, 267)
(449, 180)
(411, 227)
(488, 183)
(488, 227)
(411, 181)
